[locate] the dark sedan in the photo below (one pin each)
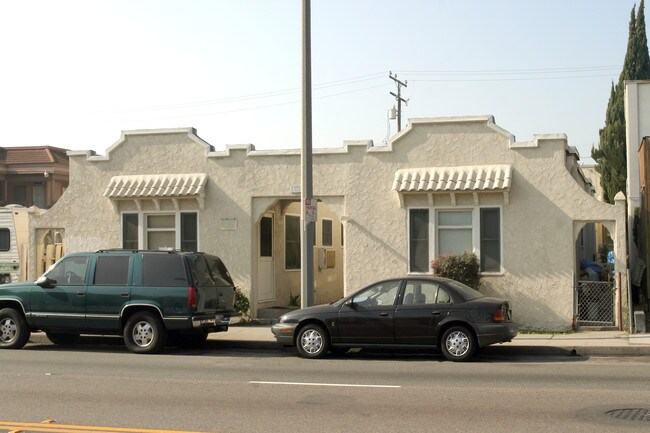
(412, 312)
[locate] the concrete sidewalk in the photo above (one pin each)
(583, 343)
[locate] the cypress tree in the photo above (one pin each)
(610, 156)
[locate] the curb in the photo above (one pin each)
(494, 350)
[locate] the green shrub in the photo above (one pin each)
(242, 305)
(464, 268)
(294, 301)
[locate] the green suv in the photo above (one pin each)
(147, 297)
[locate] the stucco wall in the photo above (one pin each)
(538, 213)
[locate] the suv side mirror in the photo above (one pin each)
(45, 282)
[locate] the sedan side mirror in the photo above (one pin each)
(45, 282)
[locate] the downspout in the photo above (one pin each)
(629, 300)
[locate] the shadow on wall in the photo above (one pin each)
(532, 308)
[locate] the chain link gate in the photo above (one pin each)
(596, 303)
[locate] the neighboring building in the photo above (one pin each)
(637, 127)
(440, 186)
(32, 176)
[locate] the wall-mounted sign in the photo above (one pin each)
(229, 223)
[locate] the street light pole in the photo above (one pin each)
(306, 187)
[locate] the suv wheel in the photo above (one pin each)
(144, 333)
(14, 332)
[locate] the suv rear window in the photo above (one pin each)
(163, 270)
(219, 272)
(201, 272)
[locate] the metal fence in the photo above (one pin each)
(596, 303)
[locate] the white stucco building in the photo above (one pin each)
(442, 185)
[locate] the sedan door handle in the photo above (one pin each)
(436, 313)
(384, 314)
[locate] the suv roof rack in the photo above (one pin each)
(128, 250)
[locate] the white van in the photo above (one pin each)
(9, 251)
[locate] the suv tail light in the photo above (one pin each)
(192, 297)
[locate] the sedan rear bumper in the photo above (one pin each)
(492, 333)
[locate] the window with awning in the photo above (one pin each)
(157, 187)
(454, 180)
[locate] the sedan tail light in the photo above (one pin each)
(499, 315)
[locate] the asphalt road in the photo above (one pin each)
(227, 390)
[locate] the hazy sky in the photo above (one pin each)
(76, 73)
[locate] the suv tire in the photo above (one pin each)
(14, 332)
(144, 333)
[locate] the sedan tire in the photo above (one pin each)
(14, 332)
(458, 344)
(312, 341)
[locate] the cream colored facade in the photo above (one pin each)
(540, 209)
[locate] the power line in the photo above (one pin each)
(263, 95)
(484, 75)
(514, 71)
(568, 77)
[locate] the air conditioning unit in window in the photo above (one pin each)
(326, 258)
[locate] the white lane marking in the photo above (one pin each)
(348, 385)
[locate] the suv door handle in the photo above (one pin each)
(81, 293)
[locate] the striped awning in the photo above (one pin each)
(473, 178)
(157, 186)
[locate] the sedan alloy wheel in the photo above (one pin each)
(458, 344)
(313, 341)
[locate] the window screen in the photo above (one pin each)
(419, 240)
(130, 231)
(326, 233)
(490, 240)
(266, 237)
(292, 242)
(189, 232)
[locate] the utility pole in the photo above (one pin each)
(399, 98)
(306, 187)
